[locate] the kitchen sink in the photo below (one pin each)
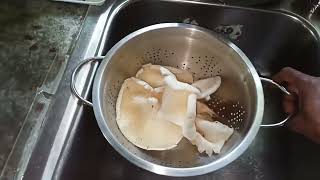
(271, 39)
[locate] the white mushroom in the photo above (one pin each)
(204, 112)
(171, 81)
(189, 127)
(179, 107)
(159, 107)
(215, 132)
(203, 144)
(174, 104)
(151, 74)
(207, 86)
(181, 74)
(136, 109)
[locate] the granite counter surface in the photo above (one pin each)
(35, 37)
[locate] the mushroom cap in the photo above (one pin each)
(215, 132)
(136, 109)
(204, 111)
(159, 107)
(207, 86)
(151, 74)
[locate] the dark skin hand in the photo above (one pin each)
(304, 102)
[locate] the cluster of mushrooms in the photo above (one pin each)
(161, 105)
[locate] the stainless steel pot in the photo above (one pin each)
(239, 100)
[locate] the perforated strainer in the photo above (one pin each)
(239, 101)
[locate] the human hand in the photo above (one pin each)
(304, 102)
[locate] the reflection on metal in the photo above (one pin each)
(190, 21)
(313, 9)
(232, 31)
(74, 75)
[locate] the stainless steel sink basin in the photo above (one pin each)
(271, 40)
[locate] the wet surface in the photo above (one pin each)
(34, 35)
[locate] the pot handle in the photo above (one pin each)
(74, 75)
(284, 90)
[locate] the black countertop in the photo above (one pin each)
(35, 40)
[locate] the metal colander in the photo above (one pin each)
(239, 101)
